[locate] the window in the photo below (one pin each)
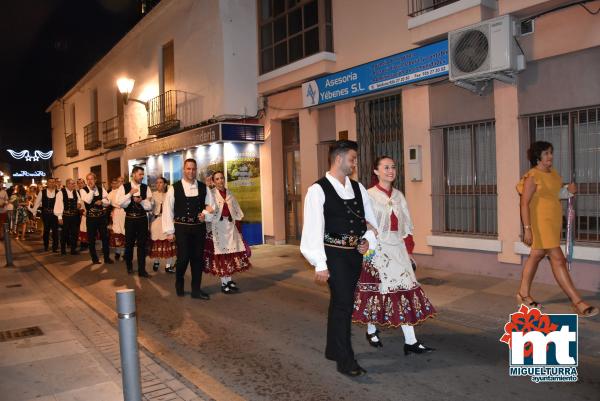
(293, 29)
(575, 136)
(464, 190)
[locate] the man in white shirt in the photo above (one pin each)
(334, 237)
(66, 209)
(186, 208)
(136, 199)
(95, 200)
(3, 207)
(46, 200)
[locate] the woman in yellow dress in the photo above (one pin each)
(541, 214)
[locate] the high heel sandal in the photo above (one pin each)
(587, 312)
(527, 301)
(374, 343)
(417, 348)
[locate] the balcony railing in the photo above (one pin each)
(172, 111)
(71, 142)
(91, 136)
(112, 132)
(418, 7)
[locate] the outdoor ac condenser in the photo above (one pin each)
(485, 50)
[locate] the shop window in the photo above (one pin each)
(293, 29)
(464, 180)
(575, 137)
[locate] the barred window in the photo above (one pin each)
(290, 30)
(464, 184)
(575, 136)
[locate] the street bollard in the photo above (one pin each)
(130, 363)
(7, 246)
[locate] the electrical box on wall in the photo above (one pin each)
(415, 164)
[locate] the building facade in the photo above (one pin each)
(194, 95)
(471, 147)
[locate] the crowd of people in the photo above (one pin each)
(188, 223)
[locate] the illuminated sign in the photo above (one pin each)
(24, 173)
(24, 154)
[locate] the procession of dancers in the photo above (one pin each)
(358, 240)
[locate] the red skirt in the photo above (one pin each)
(116, 240)
(223, 265)
(83, 238)
(393, 309)
(162, 249)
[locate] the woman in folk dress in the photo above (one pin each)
(387, 293)
(117, 227)
(160, 246)
(225, 251)
(83, 238)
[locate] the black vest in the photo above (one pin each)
(343, 216)
(48, 203)
(70, 205)
(92, 209)
(135, 210)
(186, 209)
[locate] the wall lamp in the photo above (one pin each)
(125, 86)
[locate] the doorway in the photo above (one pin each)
(291, 171)
(113, 168)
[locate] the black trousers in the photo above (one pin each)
(344, 270)
(136, 230)
(94, 226)
(50, 224)
(190, 249)
(69, 233)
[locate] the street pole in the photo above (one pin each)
(7, 246)
(130, 363)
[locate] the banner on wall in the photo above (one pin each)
(404, 68)
(242, 162)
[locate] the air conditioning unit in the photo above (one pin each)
(485, 51)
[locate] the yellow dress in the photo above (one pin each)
(545, 210)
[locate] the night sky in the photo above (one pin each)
(47, 46)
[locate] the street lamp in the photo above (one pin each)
(125, 86)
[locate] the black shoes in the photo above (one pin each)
(63, 253)
(169, 269)
(200, 295)
(74, 252)
(374, 339)
(353, 370)
(129, 269)
(96, 262)
(144, 275)
(417, 348)
(108, 261)
(155, 266)
(179, 289)
(117, 256)
(233, 286)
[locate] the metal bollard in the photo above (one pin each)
(7, 246)
(130, 362)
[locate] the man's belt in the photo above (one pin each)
(96, 213)
(135, 215)
(344, 241)
(48, 210)
(187, 220)
(71, 213)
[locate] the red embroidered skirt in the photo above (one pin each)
(223, 265)
(393, 309)
(162, 249)
(116, 240)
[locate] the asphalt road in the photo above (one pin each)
(267, 342)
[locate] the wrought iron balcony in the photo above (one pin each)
(162, 114)
(91, 136)
(418, 7)
(113, 133)
(71, 142)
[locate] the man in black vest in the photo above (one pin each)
(95, 200)
(136, 199)
(46, 200)
(186, 208)
(334, 237)
(66, 209)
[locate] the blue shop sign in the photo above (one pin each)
(400, 69)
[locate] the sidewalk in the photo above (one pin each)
(68, 352)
